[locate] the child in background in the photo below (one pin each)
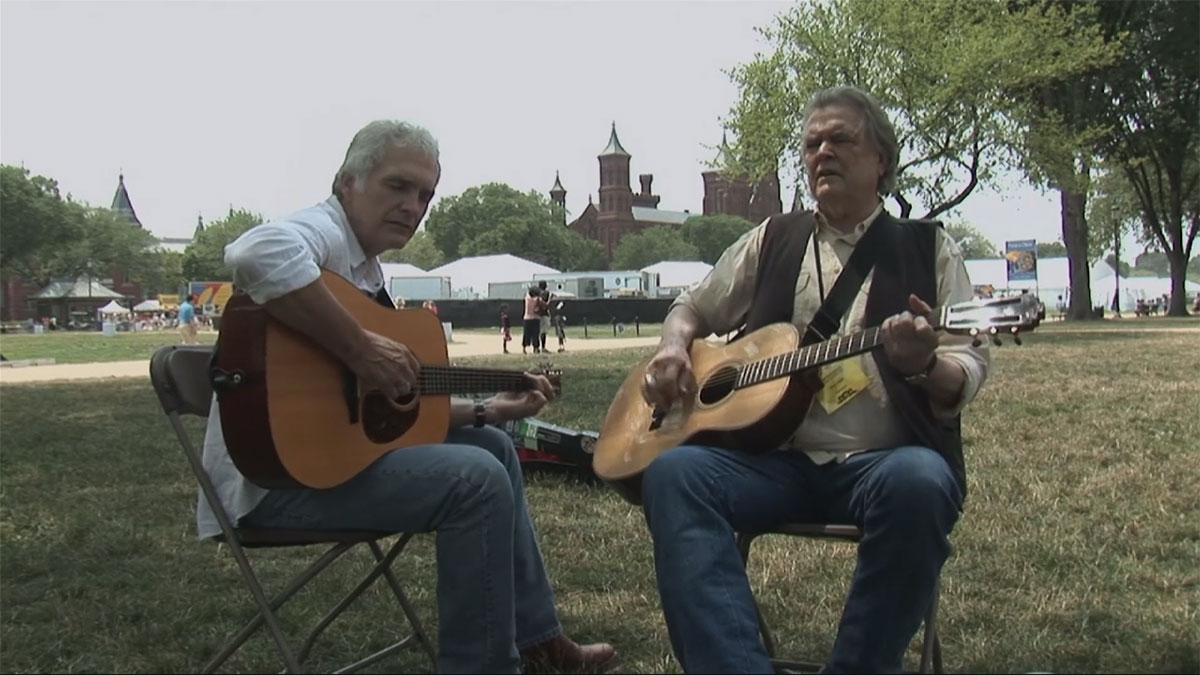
(560, 327)
(505, 326)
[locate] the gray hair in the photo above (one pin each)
(372, 140)
(879, 128)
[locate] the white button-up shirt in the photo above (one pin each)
(268, 261)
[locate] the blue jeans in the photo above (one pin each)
(493, 596)
(695, 498)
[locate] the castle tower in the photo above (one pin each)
(615, 195)
(558, 195)
(121, 203)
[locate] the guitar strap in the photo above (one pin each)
(828, 318)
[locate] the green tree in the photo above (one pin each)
(937, 68)
(36, 221)
(163, 272)
(652, 245)
(1051, 249)
(1153, 104)
(972, 242)
(204, 258)
(419, 251)
(1153, 263)
(713, 234)
(495, 218)
(1121, 266)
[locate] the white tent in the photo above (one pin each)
(1054, 281)
(113, 307)
(469, 277)
(148, 306)
(676, 275)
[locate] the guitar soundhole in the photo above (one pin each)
(719, 386)
(382, 422)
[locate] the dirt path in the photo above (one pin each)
(465, 344)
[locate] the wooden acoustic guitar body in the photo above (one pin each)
(754, 419)
(297, 417)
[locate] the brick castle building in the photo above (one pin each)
(621, 211)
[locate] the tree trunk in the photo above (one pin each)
(1178, 305)
(1116, 302)
(1075, 236)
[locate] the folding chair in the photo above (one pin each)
(180, 378)
(931, 648)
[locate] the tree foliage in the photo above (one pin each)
(1153, 98)
(495, 218)
(939, 70)
(652, 245)
(36, 221)
(48, 237)
(1051, 249)
(711, 235)
(972, 242)
(204, 258)
(419, 251)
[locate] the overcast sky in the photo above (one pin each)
(208, 104)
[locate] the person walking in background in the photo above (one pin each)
(560, 327)
(187, 320)
(544, 313)
(399, 303)
(505, 327)
(431, 306)
(533, 322)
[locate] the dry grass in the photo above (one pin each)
(1077, 552)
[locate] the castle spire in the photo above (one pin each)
(121, 203)
(614, 144)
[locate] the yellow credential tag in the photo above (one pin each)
(841, 381)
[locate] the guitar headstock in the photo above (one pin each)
(992, 317)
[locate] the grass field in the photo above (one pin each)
(1078, 550)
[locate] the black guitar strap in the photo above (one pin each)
(825, 323)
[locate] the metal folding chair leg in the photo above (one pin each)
(407, 608)
(931, 646)
(266, 610)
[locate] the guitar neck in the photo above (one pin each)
(442, 380)
(818, 354)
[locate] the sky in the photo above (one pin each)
(207, 105)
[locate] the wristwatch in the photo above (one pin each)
(480, 417)
(918, 378)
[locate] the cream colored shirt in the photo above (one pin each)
(867, 421)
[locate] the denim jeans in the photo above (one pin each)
(905, 500)
(493, 596)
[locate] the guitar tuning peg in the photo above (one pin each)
(1016, 336)
(974, 333)
(996, 340)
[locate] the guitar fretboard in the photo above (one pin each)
(438, 380)
(808, 357)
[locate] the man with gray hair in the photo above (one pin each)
(879, 448)
(496, 610)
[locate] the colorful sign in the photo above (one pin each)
(210, 296)
(1021, 255)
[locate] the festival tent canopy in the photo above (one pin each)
(148, 306)
(469, 277)
(113, 307)
(678, 273)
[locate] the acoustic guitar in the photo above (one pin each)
(748, 396)
(293, 415)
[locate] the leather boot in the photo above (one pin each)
(562, 655)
